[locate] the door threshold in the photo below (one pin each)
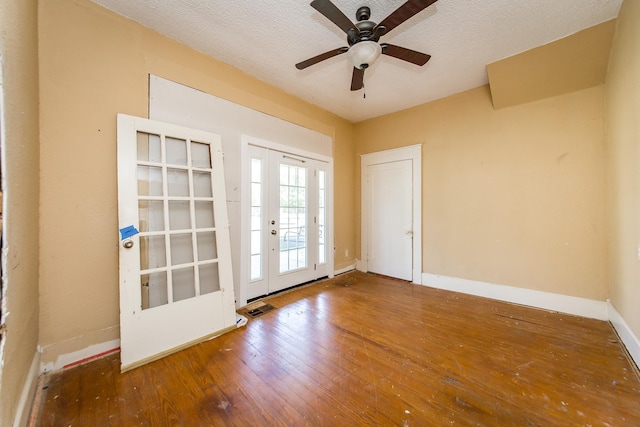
(282, 291)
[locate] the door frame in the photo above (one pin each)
(245, 208)
(413, 153)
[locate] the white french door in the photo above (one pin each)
(176, 283)
(289, 218)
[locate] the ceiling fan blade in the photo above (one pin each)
(304, 64)
(403, 13)
(405, 54)
(357, 81)
(334, 14)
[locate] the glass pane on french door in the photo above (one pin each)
(322, 217)
(178, 254)
(293, 217)
(256, 238)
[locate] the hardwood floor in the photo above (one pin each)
(365, 350)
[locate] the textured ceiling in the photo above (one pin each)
(266, 38)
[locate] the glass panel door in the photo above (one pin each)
(176, 283)
(291, 239)
(287, 241)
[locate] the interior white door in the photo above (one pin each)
(176, 284)
(288, 221)
(390, 243)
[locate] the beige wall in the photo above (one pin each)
(93, 65)
(573, 63)
(19, 53)
(623, 147)
(512, 196)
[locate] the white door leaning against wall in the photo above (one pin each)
(176, 283)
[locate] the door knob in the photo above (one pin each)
(274, 232)
(127, 244)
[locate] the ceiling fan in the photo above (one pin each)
(363, 37)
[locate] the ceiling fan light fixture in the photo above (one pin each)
(364, 53)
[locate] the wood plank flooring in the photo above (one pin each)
(363, 350)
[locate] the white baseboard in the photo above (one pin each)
(76, 357)
(345, 270)
(361, 265)
(629, 339)
(546, 300)
(28, 393)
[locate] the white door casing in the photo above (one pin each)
(383, 221)
(176, 282)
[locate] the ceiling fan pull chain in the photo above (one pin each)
(364, 91)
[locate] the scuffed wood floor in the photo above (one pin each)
(362, 350)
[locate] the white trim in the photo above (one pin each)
(80, 355)
(361, 265)
(629, 339)
(413, 153)
(545, 300)
(345, 270)
(28, 393)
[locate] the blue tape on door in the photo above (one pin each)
(128, 231)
